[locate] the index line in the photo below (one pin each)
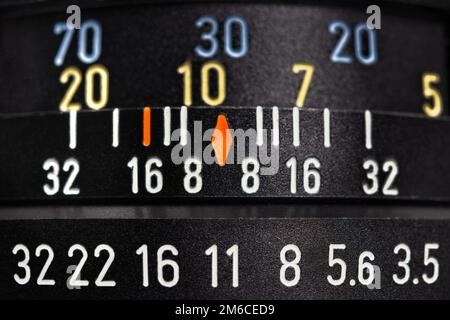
(73, 129)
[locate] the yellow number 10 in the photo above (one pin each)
(186, 70)
(309, 70)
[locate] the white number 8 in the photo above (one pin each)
(290, 264)
(253, 174)
(192, 180)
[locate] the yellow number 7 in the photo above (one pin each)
(309, 70)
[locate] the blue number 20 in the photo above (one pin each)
(337, 54)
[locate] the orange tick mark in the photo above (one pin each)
(221, 140)
(146, 129)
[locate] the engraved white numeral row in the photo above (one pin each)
(75, 279)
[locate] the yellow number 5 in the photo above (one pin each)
(309, 70)
(435, 109)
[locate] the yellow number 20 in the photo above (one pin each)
(435, 109)
(309, 70)
(92, 102)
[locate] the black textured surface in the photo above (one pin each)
(437, 4)
(228, 209)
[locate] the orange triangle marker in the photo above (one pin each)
(221, 140)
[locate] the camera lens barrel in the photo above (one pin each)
(224, 150)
